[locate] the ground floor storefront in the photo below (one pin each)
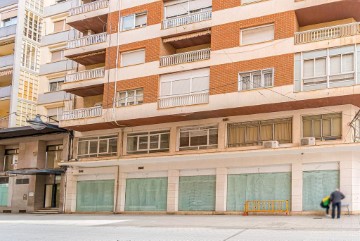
(29, 193)
(216, 182)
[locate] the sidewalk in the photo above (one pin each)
(200, 221)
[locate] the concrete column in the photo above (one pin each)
(173, 191)
(121, 192)
(356, 183)
(2, 154)
(346, 180)
(297, 127)
(221, 189)
(296, 187)
(222, 135)
(173, 139)
(70, 191)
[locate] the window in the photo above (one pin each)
(325, 68)
(323, 127)
(180, 8)
(195, 138)
(55, 86)
(148, 142)
(60, 26)
(97, 146)
(22, 181)
(254, 133)
(54, 114)
(53, 155)
(32, 26)
(133, 57)
(243, 2)
(130, 97)
(257, 35)
(9, 21)
(133, 21)
(57, 55)
(10, 159)
(256, 79)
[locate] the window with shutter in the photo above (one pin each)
(57, 55)
(59, 26)
(257, 35)
(133, 21)
(133, 57)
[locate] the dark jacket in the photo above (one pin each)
(336, 197)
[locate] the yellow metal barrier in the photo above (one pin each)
(267, 206)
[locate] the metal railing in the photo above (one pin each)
(184, 20)
(183, 100)
(82, 113)
(89, 7)
(84, 75)
(266, 206)
(187, 57)
(87, 40)
(327, 33)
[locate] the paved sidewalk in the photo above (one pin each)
(74, 227)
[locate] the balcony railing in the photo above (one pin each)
(187, 57)
(7, 31)
(188, 19)
(82, 113)
(327, 33)
(7, 60)
(5, 92)
(183, 100)
(87, 40)
(84, 75)
(89, 7)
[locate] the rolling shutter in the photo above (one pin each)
(257, 35)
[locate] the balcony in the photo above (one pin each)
(183, 100)
(87, 40)
(5, 92)
(8, 31)
(6, 61)
(4, 123)
(52, 97)
(327, 33)
(188, 57)
(89, 16)
(188, 19)
(89, 7)
(55, 38)
(85, 83)
(58, 8)
(4, 3)
(56, 67)
(88, 50)
(82, 113)
(85, 75)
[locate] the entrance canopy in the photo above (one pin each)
(34, 171)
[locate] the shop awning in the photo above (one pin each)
(23, 131)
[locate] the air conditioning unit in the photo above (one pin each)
(308, 141)
(271, 144)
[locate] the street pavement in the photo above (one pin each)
(74, 227)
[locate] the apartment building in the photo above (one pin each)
(192, 106)
(19, 60)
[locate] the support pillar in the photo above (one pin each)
(173, 191)
(221, 189)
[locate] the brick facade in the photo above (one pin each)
(152, 51)
(150, 84)
(221, 4)
(224, 78)
(285, 27)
